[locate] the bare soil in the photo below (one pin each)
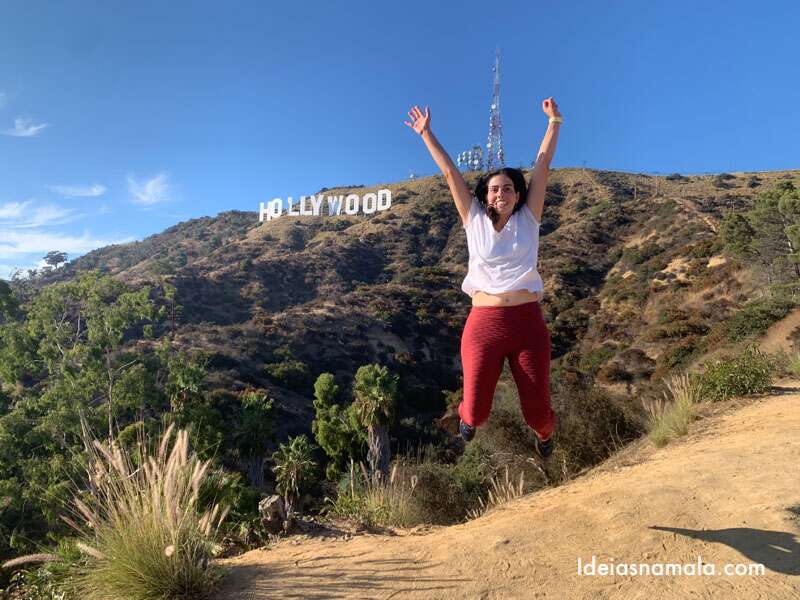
(727, 493)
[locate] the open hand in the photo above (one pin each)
(550, 107)
(419, 122)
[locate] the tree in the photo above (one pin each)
(769, 233)
(255, 432)
(333, 426)
(738, 235)
(173, 309)
(185, 377)
(8, 304)
(294, 470)
(55, 258)
(78, 329)
(65, 351)
(375, 391)
(190, 407)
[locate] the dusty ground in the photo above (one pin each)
(778, 337)
(727, 493)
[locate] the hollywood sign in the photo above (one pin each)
(309, 206)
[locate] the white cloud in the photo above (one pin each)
(79, 191)
(49, 214)
(12, 210)
(25, 236)
(21, 215)
(151, 191)
(25, 128)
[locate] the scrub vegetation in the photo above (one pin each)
(317, 358)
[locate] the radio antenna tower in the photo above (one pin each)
(494, 146)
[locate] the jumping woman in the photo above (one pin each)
(502, 222)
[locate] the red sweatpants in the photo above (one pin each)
(493, 333)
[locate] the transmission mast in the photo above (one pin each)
(494, 145)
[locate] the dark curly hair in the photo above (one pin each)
(482, 190)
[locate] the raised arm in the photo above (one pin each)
(421, 123)
(541, 169)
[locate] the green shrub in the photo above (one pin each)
(595, 359)
(721, 180)
(755, 318)
(614, 372)
(678, 353)
(748, 373)
(665, 210)
(599, 208)
(581, 203)
(591, 425)
(45, 580)
(420, 490)
(677, 329)
(640, 254)
(293, 374)
(372, 501)
(445, 493)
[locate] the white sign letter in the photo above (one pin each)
(315, 204)
(384, 199)
(335, 205)
(303, 210)
(273, 210)
(351, 204)
(369, 202)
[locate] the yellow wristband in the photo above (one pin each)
(556, 120)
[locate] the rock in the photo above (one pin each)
(273, 513)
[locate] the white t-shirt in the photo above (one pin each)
(502, 261)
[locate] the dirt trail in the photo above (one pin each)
(778, 336)
(728, 493)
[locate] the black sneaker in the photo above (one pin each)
(544, 448)
(467, 431)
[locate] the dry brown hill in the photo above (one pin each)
(727, 494)
(635, 281)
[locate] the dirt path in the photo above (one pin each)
(727, 493)
(778, 335)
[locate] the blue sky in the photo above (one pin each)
(120, 119)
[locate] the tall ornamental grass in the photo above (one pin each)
(669, 417)
(142, 531)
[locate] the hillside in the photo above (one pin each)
(222, 326)
(635, 286)
(726, 493)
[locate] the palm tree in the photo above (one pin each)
(294, 469)
(375, 391)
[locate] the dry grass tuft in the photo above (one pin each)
(142, 530)
(669, 417)
(501, 491)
